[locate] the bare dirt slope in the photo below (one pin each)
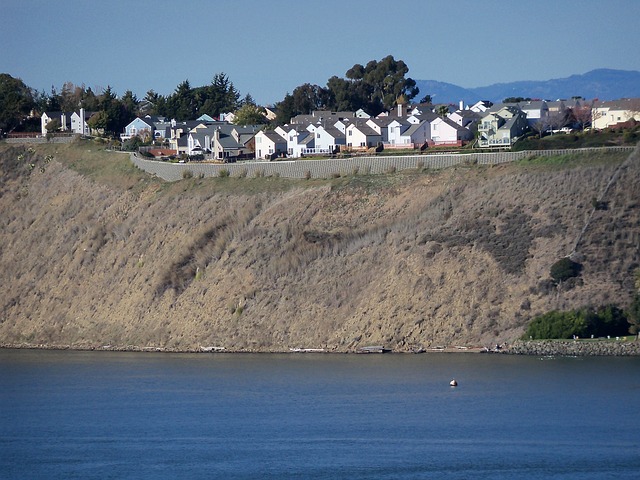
(457, 257)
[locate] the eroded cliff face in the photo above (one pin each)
(419, 259)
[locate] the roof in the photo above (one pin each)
(273, 136)
(366, 130)
(632, 104)
(334, 132)
(414, 128)
(381, 121)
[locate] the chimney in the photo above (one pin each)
(461, 105)
(82, 122)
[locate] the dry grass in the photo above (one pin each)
(96, 256)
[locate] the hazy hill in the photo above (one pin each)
(95, 253)
(603, 84)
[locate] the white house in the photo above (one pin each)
(362, 136)
(70, 122)
(269, 145)
(79, 122)
(300, 141)
(63, 117)
(379, 125)
(395, 131)
(419, 133)
(481, 106)
(465, 118)
(446, 131)
(199, 142)
(328, 139)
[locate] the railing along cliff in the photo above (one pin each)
(327, 168)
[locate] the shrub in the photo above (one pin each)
(599, 204)
(564, 269)
(224, 173)
(584, 322)
(187, 174)
(633, 315)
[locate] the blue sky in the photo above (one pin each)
(267, 48)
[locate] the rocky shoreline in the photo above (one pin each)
(573, 348)
(541, 348)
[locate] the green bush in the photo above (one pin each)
(564, 269)
(633, 315)
(584, 322)
(555, 325)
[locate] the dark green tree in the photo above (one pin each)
(515, 100)
(633, 315)
(247, 100)
(130, 104)
(155, 104)
(308, 97)
(53, 126)
(374, 87)
(181, 105)
(54, 101)
(342, 95)
(220, 96)
(89, 100)
(564, 269)
(98, 122)
(16, 102)
(556, 325)
(285, 110)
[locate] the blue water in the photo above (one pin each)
(66, 415)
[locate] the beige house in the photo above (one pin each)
(502, 127)
(607, 114)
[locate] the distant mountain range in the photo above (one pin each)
(602, 84)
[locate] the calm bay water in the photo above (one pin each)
(169, 416)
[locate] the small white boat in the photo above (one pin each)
(453, 383)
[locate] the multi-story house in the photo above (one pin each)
(608, 114)
(269, 145)
(362, 136)
(501, 128)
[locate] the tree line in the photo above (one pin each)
(374, 87)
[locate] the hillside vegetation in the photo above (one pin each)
(96, 253)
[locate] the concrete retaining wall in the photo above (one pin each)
(40, 140)
(331, 167)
